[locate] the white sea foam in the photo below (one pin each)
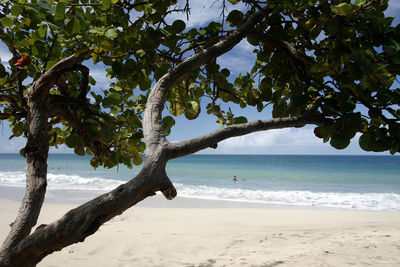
(361, 201)
(62, 181)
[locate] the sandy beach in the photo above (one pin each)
(194, 232)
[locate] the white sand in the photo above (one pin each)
(161, 233)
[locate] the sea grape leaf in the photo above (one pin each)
(112, 99)
(234, 18)
(46, 7)
(7, 21)
(106, 4)
(137, 158)
(73, 26)
(71, 141)
(168, 122)
(179, 25)
(339, 141)
(343, 9)
(192, 110)
(111, 33)
(60, 11)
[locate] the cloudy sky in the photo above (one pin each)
(285, 141)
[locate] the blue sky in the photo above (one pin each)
(284, 141)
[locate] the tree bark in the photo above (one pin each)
(36, 152)
(183, 148)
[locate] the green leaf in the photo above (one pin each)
(140, 53)
(192, 110)
(42, 30)
(3, 72)
(117, 88)
(234, 18)
(225, 72)
(360, 2)
(339, 141)
(106, 4)
(179, 26)
(18, 129)
(73, 26)
(161, 70)
(144, 83)
(115, 110)
(320, 67)
(366, 142)
(111, 33)
(60, 11)
(94, 163)
(112, 99)
(176, 108)
(7, 21)
(116, 156)
(266, 89)
(71, 141)
(15, 10)
(79, 150)
(343, 9)
(239, 120)
(252, 40)
(168, 122)
(234, 2)
(46, 7)
(203, 31)
(137, 159)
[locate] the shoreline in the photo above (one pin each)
(80, 196)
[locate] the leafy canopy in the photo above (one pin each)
(344, 53)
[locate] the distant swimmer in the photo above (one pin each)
(234, 179)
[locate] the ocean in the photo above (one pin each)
(340, 182)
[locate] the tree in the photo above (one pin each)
(327, 63)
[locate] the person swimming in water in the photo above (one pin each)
(234, 179)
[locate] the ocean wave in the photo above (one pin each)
(62, 181)
(300, 198)
(359, 201)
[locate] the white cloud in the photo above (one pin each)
(240, 59)
(11, 146)
(283, 141)
(100, 75)
(273, 138)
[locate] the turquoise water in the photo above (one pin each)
(350, 182)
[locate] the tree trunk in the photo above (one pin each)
(36, 152)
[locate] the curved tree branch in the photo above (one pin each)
(152, 120)
(183, 148)
(283, 45)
